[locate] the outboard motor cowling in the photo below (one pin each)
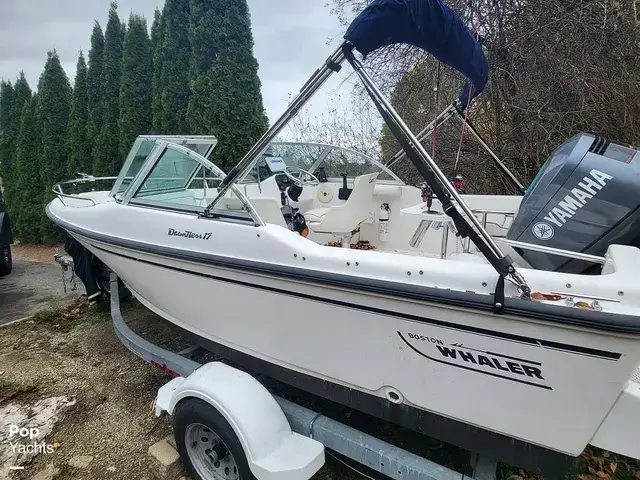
(585, 198)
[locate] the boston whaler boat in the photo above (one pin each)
(526, 354)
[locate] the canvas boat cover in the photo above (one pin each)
(427, 24)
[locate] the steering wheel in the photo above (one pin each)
(311, 180)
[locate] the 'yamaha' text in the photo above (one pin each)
(579, 197)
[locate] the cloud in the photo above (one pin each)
(290, 39)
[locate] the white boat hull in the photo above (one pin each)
(544, 384)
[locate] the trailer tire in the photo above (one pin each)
(193, 415)
(6, 261)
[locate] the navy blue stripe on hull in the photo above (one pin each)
(527, 309)
(571, 349)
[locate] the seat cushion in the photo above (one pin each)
(316, 215)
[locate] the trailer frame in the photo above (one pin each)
(361, 447)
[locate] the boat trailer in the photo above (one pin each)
(314, 428)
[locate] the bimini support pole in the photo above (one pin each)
(455, 110)
(470, 227)
(496, 159)
(320, 76)
(445, 115)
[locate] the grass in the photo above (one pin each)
(71, 315)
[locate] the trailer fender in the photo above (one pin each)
(272, 449)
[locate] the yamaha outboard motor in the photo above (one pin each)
(584, 198)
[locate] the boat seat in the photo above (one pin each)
(344, 219)
(316, 215)
(269, 210)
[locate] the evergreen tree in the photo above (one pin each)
(174, 78)
(21, 95)
(79, 145)
(31, 189)
(226, 99)
(6, 149)
(54, 91)
(107, 147)
(94, 92)
(135, 89)
(157, 30)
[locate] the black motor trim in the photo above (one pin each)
(585, 198)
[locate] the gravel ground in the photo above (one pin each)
(34, 283)
(82, 359)
(65, 349)
(78, 356)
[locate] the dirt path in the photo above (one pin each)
(82, 359)
(34, 283)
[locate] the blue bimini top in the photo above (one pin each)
(427, 24)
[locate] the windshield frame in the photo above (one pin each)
(326, 151)
(180, 140)
(128, 197)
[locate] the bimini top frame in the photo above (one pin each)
(467, 226)
(457, 110)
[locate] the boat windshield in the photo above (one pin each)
(144, 145)
(319, 159)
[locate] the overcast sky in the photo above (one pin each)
(290, 40)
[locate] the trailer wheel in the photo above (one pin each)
(6, 262)
(208, 446)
